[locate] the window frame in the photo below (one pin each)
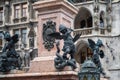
(20, 11)
(21, 37)
(24, 35)
(16, 11)
(24, 10)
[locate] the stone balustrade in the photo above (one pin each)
(85, 31)
(102, 30)
(89, 31)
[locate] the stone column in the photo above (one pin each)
(60, 12)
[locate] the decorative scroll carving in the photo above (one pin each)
(48, 28)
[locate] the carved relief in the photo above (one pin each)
(48, 27)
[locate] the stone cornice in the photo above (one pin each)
(104, 36)
(43, 5)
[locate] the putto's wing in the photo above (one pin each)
(76, 37)
(91, 44)
(56, 35)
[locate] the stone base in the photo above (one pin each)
(64, 75)
(13, 72)
(45, 64)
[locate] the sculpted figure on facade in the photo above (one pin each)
(69, 48)
(26, 57)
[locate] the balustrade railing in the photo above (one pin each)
(78, 1)
(89, 31)
(85, 31)
(102, 30)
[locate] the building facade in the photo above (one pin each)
(18, 17)
(96, 19)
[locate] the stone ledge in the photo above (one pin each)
(43, 74)
(52, 3)
(44, 58)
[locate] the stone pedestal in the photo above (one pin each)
(60, 12)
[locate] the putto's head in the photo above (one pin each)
(62, 29)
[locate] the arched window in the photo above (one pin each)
(83, 51)
(83, 19)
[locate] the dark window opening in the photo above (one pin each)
(83, 24)
(89, 22)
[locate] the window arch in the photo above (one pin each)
(83, 19)
(83, 51)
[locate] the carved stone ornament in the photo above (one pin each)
(48, 28)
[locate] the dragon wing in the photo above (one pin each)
(56, 35)
(91, 44)
(76, 37)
